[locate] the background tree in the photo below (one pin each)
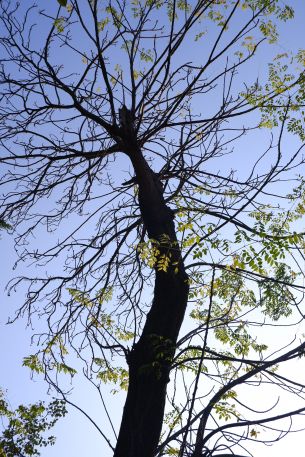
(23, 430)
(119, 125)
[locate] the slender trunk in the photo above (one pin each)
(151, 358)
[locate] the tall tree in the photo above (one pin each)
(121, 125)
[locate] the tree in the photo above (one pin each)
(23, 432)
(115, 87)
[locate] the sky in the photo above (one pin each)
(75, 435)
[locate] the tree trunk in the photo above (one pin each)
(151, 358)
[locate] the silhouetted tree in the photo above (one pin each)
(121, 126)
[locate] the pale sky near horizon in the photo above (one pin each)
(75, 436)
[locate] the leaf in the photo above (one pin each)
(114, 375)
(59, 24)
(62, 367)
(253, 433)
(4, 225)
(32, 361)
(102, 24)
(62, 2)
(172, 451)
(24, 429)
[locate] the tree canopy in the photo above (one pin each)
(152, 157)
(23, 429)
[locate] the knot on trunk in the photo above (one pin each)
(126, 119)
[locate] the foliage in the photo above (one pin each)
(23, 429)
(4, 225)
(62, 2)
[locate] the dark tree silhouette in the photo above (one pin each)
(121, 126)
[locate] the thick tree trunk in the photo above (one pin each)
(151, 358)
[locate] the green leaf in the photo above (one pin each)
(23, 430)
(59, 24)
(62, 2)
(4, 225)
(32, 361)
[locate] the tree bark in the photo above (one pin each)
(151, 358)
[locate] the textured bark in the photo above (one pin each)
(151, 358)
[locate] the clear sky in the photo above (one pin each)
(75, 435)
